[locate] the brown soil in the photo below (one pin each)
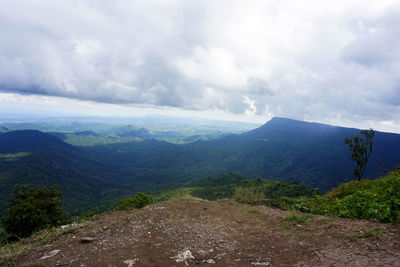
(222, 233)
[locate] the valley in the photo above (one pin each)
(99, 174)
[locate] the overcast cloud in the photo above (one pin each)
(328, 61)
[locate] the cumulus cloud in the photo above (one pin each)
(316, 60)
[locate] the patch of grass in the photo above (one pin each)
(328, 222)
(24, 246)
(86, 216)
(296, 219)
(253, 211)
(361, 234)
(176, 193)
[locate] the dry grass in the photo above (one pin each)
(249, 196)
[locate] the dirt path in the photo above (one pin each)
(192, 232)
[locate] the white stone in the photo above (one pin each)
(50, 254)
(187, 254)
(131, 262)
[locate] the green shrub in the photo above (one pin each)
(349, 188)
(137, 202)
(33, 209)
(361, 235)
(283, 203)
(87, 215)
(321, 205)
(213, 192)
(377, 199)
(253, 211)
(287, 189)
(366, 205)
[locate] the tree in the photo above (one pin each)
(361, 149)
(33, 209)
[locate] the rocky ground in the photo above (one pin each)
(194, 232)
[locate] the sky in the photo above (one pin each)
(335, 62)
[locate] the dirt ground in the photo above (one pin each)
(193, 232)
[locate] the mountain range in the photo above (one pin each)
(282, 149)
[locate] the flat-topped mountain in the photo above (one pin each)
(311, 153)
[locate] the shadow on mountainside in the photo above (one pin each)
(194, 232)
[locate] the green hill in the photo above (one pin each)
(35, 158)
(28, 141)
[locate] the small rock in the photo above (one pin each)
(131, 262)
(50, 254)
(202, 252)
(187, 254)
(238, 221)
(261, 263)
(87, 239)
(67, 225)
(210, 261)
(220, 255)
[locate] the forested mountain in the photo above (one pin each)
(282, 149)
(28, 141)
(35, 158)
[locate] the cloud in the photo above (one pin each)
(318, 60)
